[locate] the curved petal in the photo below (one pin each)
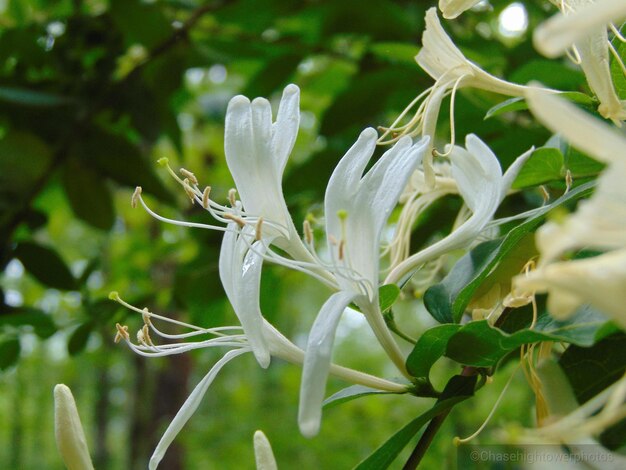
(317, 362)
(189, 407)
(453, 8)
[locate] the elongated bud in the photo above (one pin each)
(69, 432)
(135, 197)
(189, 175)
(263, 452)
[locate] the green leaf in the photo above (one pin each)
(544, 165)
(395, 52)
(479, 344)
(9, 352)
(507, 106)
(617, 74)
(447, 300)
(459, 388)
(591, 369)
(26, 97)
(45, 265)
(88, 195)
(41, 322)
(430, 347)
(351, 393)
(78, 341)
(387, 296)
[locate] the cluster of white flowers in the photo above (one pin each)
(258, 227)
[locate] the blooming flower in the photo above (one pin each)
(445, 63)
(450, 9)
(482, 185)
(591, 51)
(357, 207)
(68, 431)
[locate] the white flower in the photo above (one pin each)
(68, 431)
(445, 63)
(591, 51)
(598, 281)
(450, 9)
(263, 452)
(357, 207)
(482, 185)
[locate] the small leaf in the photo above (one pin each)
(349, 394)
(544, 165)
(45, 265)
(447, 300)
(9, 352)
(41, 322)
(507, 106)
(430, 347)
(88, 195)
(387, 296)
(459, 388)
(78, 341)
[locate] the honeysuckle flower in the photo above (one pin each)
(557, 34)
(357, 207)
(230, 337)
(599, 222)
(599, 281)
(263, 454)
(450, 9)
(451, 70)
(482, 186)
(591, 51)
(68, 431)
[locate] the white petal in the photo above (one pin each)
(317, 362)
(68, 431)
(453, 8)
(285, 129)
(554, 36)
(263, 452)
(584, 132)
(189, 407)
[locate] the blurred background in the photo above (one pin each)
(92, 93)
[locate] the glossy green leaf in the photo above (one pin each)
(9, 352)
(89, 196)
(349, 394)
(387, 296)
(447, 300)
(45, 265)
(79, 338)
(429, 348)
(507, 106)
(459, 388)
(481, 345)
(544, 165)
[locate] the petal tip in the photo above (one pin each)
(309, 428)
(238, 101)
(291, 89)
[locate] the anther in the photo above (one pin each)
(135, 197)
(122, 333)
(544, 194)
(205, 197)
(146, 316)
(189, 175)
(232, 193)
(569, 180)
(308, 232)
(145, 331)
(342, 244)
(236, 219)
(189, 190)
(258, 229)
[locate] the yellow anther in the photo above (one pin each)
(135, 197)
(232, 193)
(569, 180)
(146, 316)
(187, 187)
(236, 219)
(544, 194)
(258, 229)
(113, 295)
(122, 333)
(189, 175)
(140, 337)
(205, 197)
(163, 161)
(308, 231)
(146, 335)
(342, 244)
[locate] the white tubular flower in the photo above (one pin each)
(357, 207)
(237, 343)
(598, 281)
(69, 432)
(450, 9)
(445, 63)
(482, 185)
(263, 454)
(553, 37)
(591, 51)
